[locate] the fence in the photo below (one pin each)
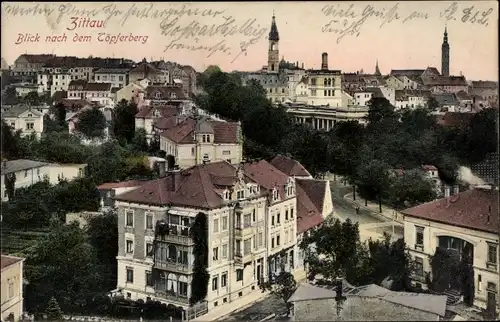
(197, 310)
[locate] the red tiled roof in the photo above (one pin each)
(165, 111)
(289, 166)
(444, 80)
(428, 167)
(468, 209)
(7, 260)
(165, 93)
(310, 198)
(197, 187)
(455, 119)
(122, 184)
(224, 132)
(266, 175)
(165, 123)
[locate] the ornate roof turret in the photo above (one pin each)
(273, 34)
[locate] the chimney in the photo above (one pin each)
(161, 168)
(324, 61)
(302, 65)
(176, 177)
(456, 189)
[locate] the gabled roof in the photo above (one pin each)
(463, 96)
(198, 187)
(224, 132)
(122, 184)
(165, 92)
(444, 81)
(164, 110)
(145, 69)
(289, 166)
(18, 110)
(7, 260)
(407, 72)
(475, 209)
(485, 84)
(310, 199)
(112, 71)
(446, 99)
(36, 58)
(267, 176)
(98, 87)
(13, 166)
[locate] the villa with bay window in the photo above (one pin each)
(467, 225)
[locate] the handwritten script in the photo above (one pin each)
(347, 20)
(184, 26)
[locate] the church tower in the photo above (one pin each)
(377, 70)
(445, 55)
(273, 54)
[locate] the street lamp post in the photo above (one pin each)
(339, 297)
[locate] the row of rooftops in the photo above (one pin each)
(200, 187)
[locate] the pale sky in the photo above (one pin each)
(414, 44)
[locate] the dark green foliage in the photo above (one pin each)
(410, 189)
(337, 247)
(32, 99)
(140, 142)
(53, 310)
(199, 234)
(283, 286)
(124, 121)
(103, 236)
(91, 123)
(445, 270)
(11, 142)
(10, 183)
(9, 97)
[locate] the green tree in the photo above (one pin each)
(103, 236)
(59, 113)
(283, 286)
(61, 147)
(411, 189)
(199, 234)
(53, 310)
(62, 265)
(9, 96)
(32, 99)
(482, 135)
(391, 260)
(11, 145)
(10, 185)
(373, 181)
(336, 245)
(124, 120)
(140, 142)
(91, 123)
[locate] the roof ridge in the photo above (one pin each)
(202, 183)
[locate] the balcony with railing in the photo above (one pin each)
(171, 295)
(176, 234)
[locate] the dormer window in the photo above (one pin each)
(30, 115)
(240, 194)
(156, 113)
(158, 95)
(173, 95)
(227, 195)
(275, 194)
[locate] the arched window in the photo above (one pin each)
(272, 65)
(329, 82)
(172, 283)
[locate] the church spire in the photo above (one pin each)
(445, 54)
(377, 70)
(273, 34)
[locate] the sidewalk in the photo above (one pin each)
(244, 302)
(387, 213)
(233, 307)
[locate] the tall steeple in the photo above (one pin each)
(377, 70)
(273, 53)
(445, 54)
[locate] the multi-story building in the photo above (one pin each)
(165, 94)
(44, 81)
(117, 77)
(26, 119)
(156, 256)
(281, 215)
(132, 91)
(467, 225)
(148, 70)
(194, 140)
(411, 98)
(94, 92)
(60, 81)
(487, 90)
(445, 84)
(27, 66)
(12, 288)
(29, 172)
